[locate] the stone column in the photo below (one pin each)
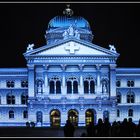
(45, 80)
(112, 80)
(31, 78)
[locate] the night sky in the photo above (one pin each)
(111, 23)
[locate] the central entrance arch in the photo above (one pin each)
(55, 118)
(73, 116)
(90, 116)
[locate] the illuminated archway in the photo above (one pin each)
(73, 116)
(55, 118)
(90, 116)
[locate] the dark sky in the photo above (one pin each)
(111, 23)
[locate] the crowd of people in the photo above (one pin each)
(126, 128)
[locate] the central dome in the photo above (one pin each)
(65, 21)
(67, 26)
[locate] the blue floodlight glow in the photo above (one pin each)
(68, 78)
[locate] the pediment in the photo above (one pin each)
(72, 47)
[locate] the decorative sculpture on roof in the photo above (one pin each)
(68, 11)
(30, 47)
(71, 32)
(112, 48)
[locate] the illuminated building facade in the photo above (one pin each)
(69, 77)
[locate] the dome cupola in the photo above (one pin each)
(59, 25)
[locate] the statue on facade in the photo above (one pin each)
(71, 31)
(112, 48)
(104, 87)
(39, 86)
(30, 47)
(65, 34)
(77, 35)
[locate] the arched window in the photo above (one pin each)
(24, 99)
(75, 87)
(89, 85)
(25, 114)
(72, 85)
(10, 99)
(130, 113)
(118, 113)
(104, 86)
(69, 87)
(52, 87)
(10, 84)
(11, 114)
(130, 97)
(55, 118)
(118, 97)
(130, 83)
(55, 85)
(92, 86)
(86, 87)
(118, 83)
(58, 87)
(24, 83)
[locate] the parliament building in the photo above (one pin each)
(69, 78)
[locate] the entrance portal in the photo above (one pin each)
(55, 118)
(90, 116)
(73, 117)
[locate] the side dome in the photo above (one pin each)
(65, 21)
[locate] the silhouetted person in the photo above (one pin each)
(114, 129)
(124, 128)
(106, 128)
(99, 128)
(138, 130)
(131, 128)
(69, 129)
(91, 130)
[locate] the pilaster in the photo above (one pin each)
(63, 80)
(46, 87)
(113, 80)
(98, 87)
(31, 78)
(81, 87)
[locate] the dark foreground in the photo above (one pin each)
(37, 132)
